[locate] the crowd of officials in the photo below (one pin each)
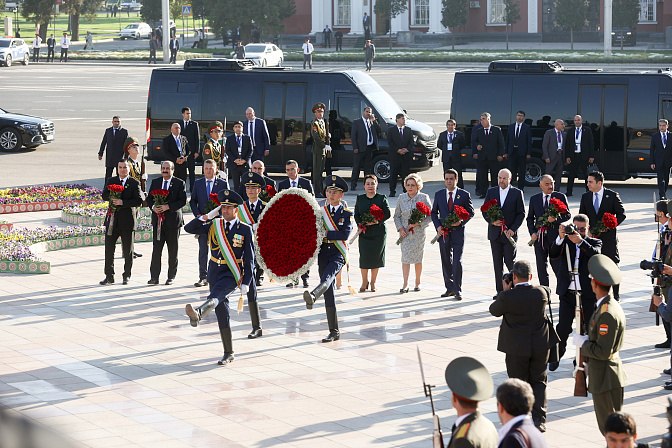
(584, 259)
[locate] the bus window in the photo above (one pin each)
(477, 94)
(667, 109)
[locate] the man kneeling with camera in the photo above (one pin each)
(573, 267)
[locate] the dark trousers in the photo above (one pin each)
(532, 369)
(362, 161)
(203, 256)
(235, 172)
(566, 313)
(318, 168)
(541, 255)
(168, 237)
(575, 168)
(368, 62)
(663, 176)
(339, 44)
(252, 290)
(399, 166)
(109, 170)
(308, 58)
(181, 171)
(329, 266)
(451, 247)
(453, 161)
(221, 288)
(152, 55)
(502, 253)
(327, 40)
(173, 56)
(191, 165)
(126, 249)
(257, 155)
(483, 167)
(50, 53)
(36, 54)
(64, 55)
(517, 166)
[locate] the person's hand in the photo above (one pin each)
(214, 213)
(410, 226)
(116, 201)
(575, 238)
(402, 232)
(500, 158)
(244, 289)
(529, 156)
(455, 224)
(551, 219)
(568, 161)
(579, 339)
(100, 157)
(440, 231)
(479, 147)
(657, 300)
(356, 151)
(221, 174)
(239, 162)
(145, 176)
(267, 152)
(534, 236)
(667, 269)
(328, 148)
(475, 156)
(561, 232)
(497, 223)
(507, 285)
(653, 165)
(548, 160)
(371, 223)
(509, 233)
(196, 155)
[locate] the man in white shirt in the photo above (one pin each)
(37, 43)
(65, 44)
(307, 53)
(514, 403)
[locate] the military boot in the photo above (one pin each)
(332, 319)
(196, 314)
(227, 342)
(311, 297)
(256, 320)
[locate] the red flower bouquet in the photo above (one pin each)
(115, 193)
(420, 212)
(160, 197)
(375, 214)
(555, 208)
(458, 214)
(212, 204)
(494, 212)
(608, 222)
(267, 193)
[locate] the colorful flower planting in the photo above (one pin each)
(45, 197)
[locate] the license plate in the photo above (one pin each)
(50, 137)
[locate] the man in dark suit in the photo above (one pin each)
(524, 333)
(200, 198)
(191, 130)
(553, 153)
(170, 222)
(113, 141)
(176, 148)
(503, 234)
(259, 168)
(122, 222)
(544, 233)
(474, 153)
(579, 151)
(451, 143)
(364, 135)
(295, 181)
(519, 147)
(258, 131)
(238, 150)
(661, 157)
(567, 287)
(515, 400)
(451, 243)
(595, 203)
(489, 150)
(400, 141)
(174, 48)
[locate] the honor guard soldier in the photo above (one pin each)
(604, 340)
(470, 382)
(320, 146)
(231, 263)
(213, 149)
(333, 252)
(249, 212)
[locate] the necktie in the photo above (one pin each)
(369, 136)
(123, 183)
(559, 141)
(209, 187)
(517, 131)
(545, 201)
(228, 227)
(486, 132)
(179, 144)
(252, 209)
(238, 140)
(516, 137)
(293, 184)
(165, 184)
(401, 132)
(114, 132)
(450, 201)
(450, 138)
(333, 210)
(665, 139)
(596, 203)
(577, 133)
(252, 132)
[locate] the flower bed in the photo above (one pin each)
(5, 226)
(46, 197)
(93, 214)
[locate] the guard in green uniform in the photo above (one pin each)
(470, 382)
(213, 149)
(318, 131)
(606, 376)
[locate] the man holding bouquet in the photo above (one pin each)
(451, 211)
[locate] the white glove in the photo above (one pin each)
(221, 174)
(255, 227)
(244, 289)
(215, 213)
(579, 339)
(328, 148)
(145, 176)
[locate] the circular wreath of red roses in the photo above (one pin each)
(289, 235)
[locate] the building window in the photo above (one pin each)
(421, 13)
(343, 13)
(647, 11)
(496, 11)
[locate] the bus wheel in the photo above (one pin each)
(534, 169)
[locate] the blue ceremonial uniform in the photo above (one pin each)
(199, 201)
(330, 260)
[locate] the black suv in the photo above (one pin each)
(17, 130)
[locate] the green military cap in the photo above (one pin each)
(229, 197)
(319, 106)
(469, 379)
(215, 124)
(604, 271)
(336, 183)
(129, 141)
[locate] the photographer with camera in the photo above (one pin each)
(525, 333)
(660, 252)
(570, 237)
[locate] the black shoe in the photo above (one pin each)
(541, 426)
(668, 382)
(309, 299)
(667, 371)
(305, 283)
(125, 282)
(136, 255)
(153, 281)
(226, 359)
(553, 366)
(353, 187)
(256, 333)
(260, 282)
(667, 387)
(448, 294)
(481, 196)
(392, 194)
(334, 335)
(107, 281)
(201, 282)
(170, 281)
(458, 296)
(665, 344)
(293, 284)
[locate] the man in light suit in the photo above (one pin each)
(510, 199)
(519, 148)
(200, 197)
(489, 151)
(113, 141)
(190, 129)
(364, 135)
(238, 150)
(176, 148)
(400, 141)
(579, 151)
(451, 242)
(451, 143)
(553, 153)
(661, 157)
(258, 131)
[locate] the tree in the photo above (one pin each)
(571, 14)
(77, 8)
(175, 10)
(150, 11)
(390, 9)
(625, 14)
(266, 15)
(39, 12)
(454, 13)
(511, 16)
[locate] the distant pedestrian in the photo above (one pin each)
(37, 43)
(307, 53)
(89, 41)
(18, 33)
(327, 36)
(65, 44)
(338, 36)
(51, 45)
(369, 54)
(115, 10)
(159, 37)
(198, 39)
(240, 50)
(174, 48)
(152, 49)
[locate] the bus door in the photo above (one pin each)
(603, 108)
(284, 111)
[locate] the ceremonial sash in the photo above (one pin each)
(329, 223)
(226, 250)
(245, 214)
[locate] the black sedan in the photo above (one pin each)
(17, 130)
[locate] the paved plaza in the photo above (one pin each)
(121, 366)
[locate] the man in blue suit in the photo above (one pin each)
(518, 148)
(503, 234)
(333, 251)
(257, 130)
(661, 157)
(489, 152)
(543, 238)
(451, 243)
(200, 197)
(451, 143)
(364, 135)
(231, 264)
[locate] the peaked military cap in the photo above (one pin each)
(128, 142)
(469, 379)
(603, 270)
(253, 179)
(335, 183)
(215, 124)
(229, 197)
(319, 106)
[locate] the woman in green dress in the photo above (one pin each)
(372, 242)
